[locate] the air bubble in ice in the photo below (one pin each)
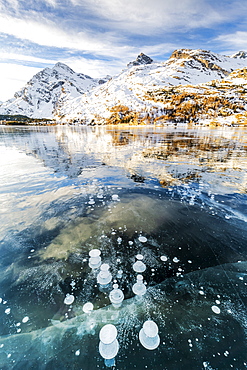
(104, 277)
(215, 309)
(164, 258)
(108, 345)
(69, 299)
(95, 259)
(149, 336)
(73, 284)
(120, 274)
(139, 288)
(142, 239)
(108, 334)
(25, 319)
(116, 296)
(139, 257)
(139, 266)
(87, 307)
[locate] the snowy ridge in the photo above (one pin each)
(48, 90)
(240, 54)
(129, 88)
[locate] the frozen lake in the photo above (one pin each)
(175, 196)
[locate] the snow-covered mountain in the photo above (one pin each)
(130, 87)
(48, 90)
(145, 88)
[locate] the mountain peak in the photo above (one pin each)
(141, 59)
(61, 66)
(240, 55)
(191, 53)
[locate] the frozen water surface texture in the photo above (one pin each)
(90, 217)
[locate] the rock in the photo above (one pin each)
(141, 59)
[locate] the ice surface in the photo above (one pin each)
(193, 233)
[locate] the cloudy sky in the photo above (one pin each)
(99, 37)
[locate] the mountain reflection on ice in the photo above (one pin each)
(84, 188)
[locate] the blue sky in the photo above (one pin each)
(99, 37)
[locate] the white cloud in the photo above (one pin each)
(11, 4)
(13, 77)
(52, 3)
(5, 56)
(120, 17)
(159, 49)
(94, 67)
(234, 41)
(48, 33)
(148, 16)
